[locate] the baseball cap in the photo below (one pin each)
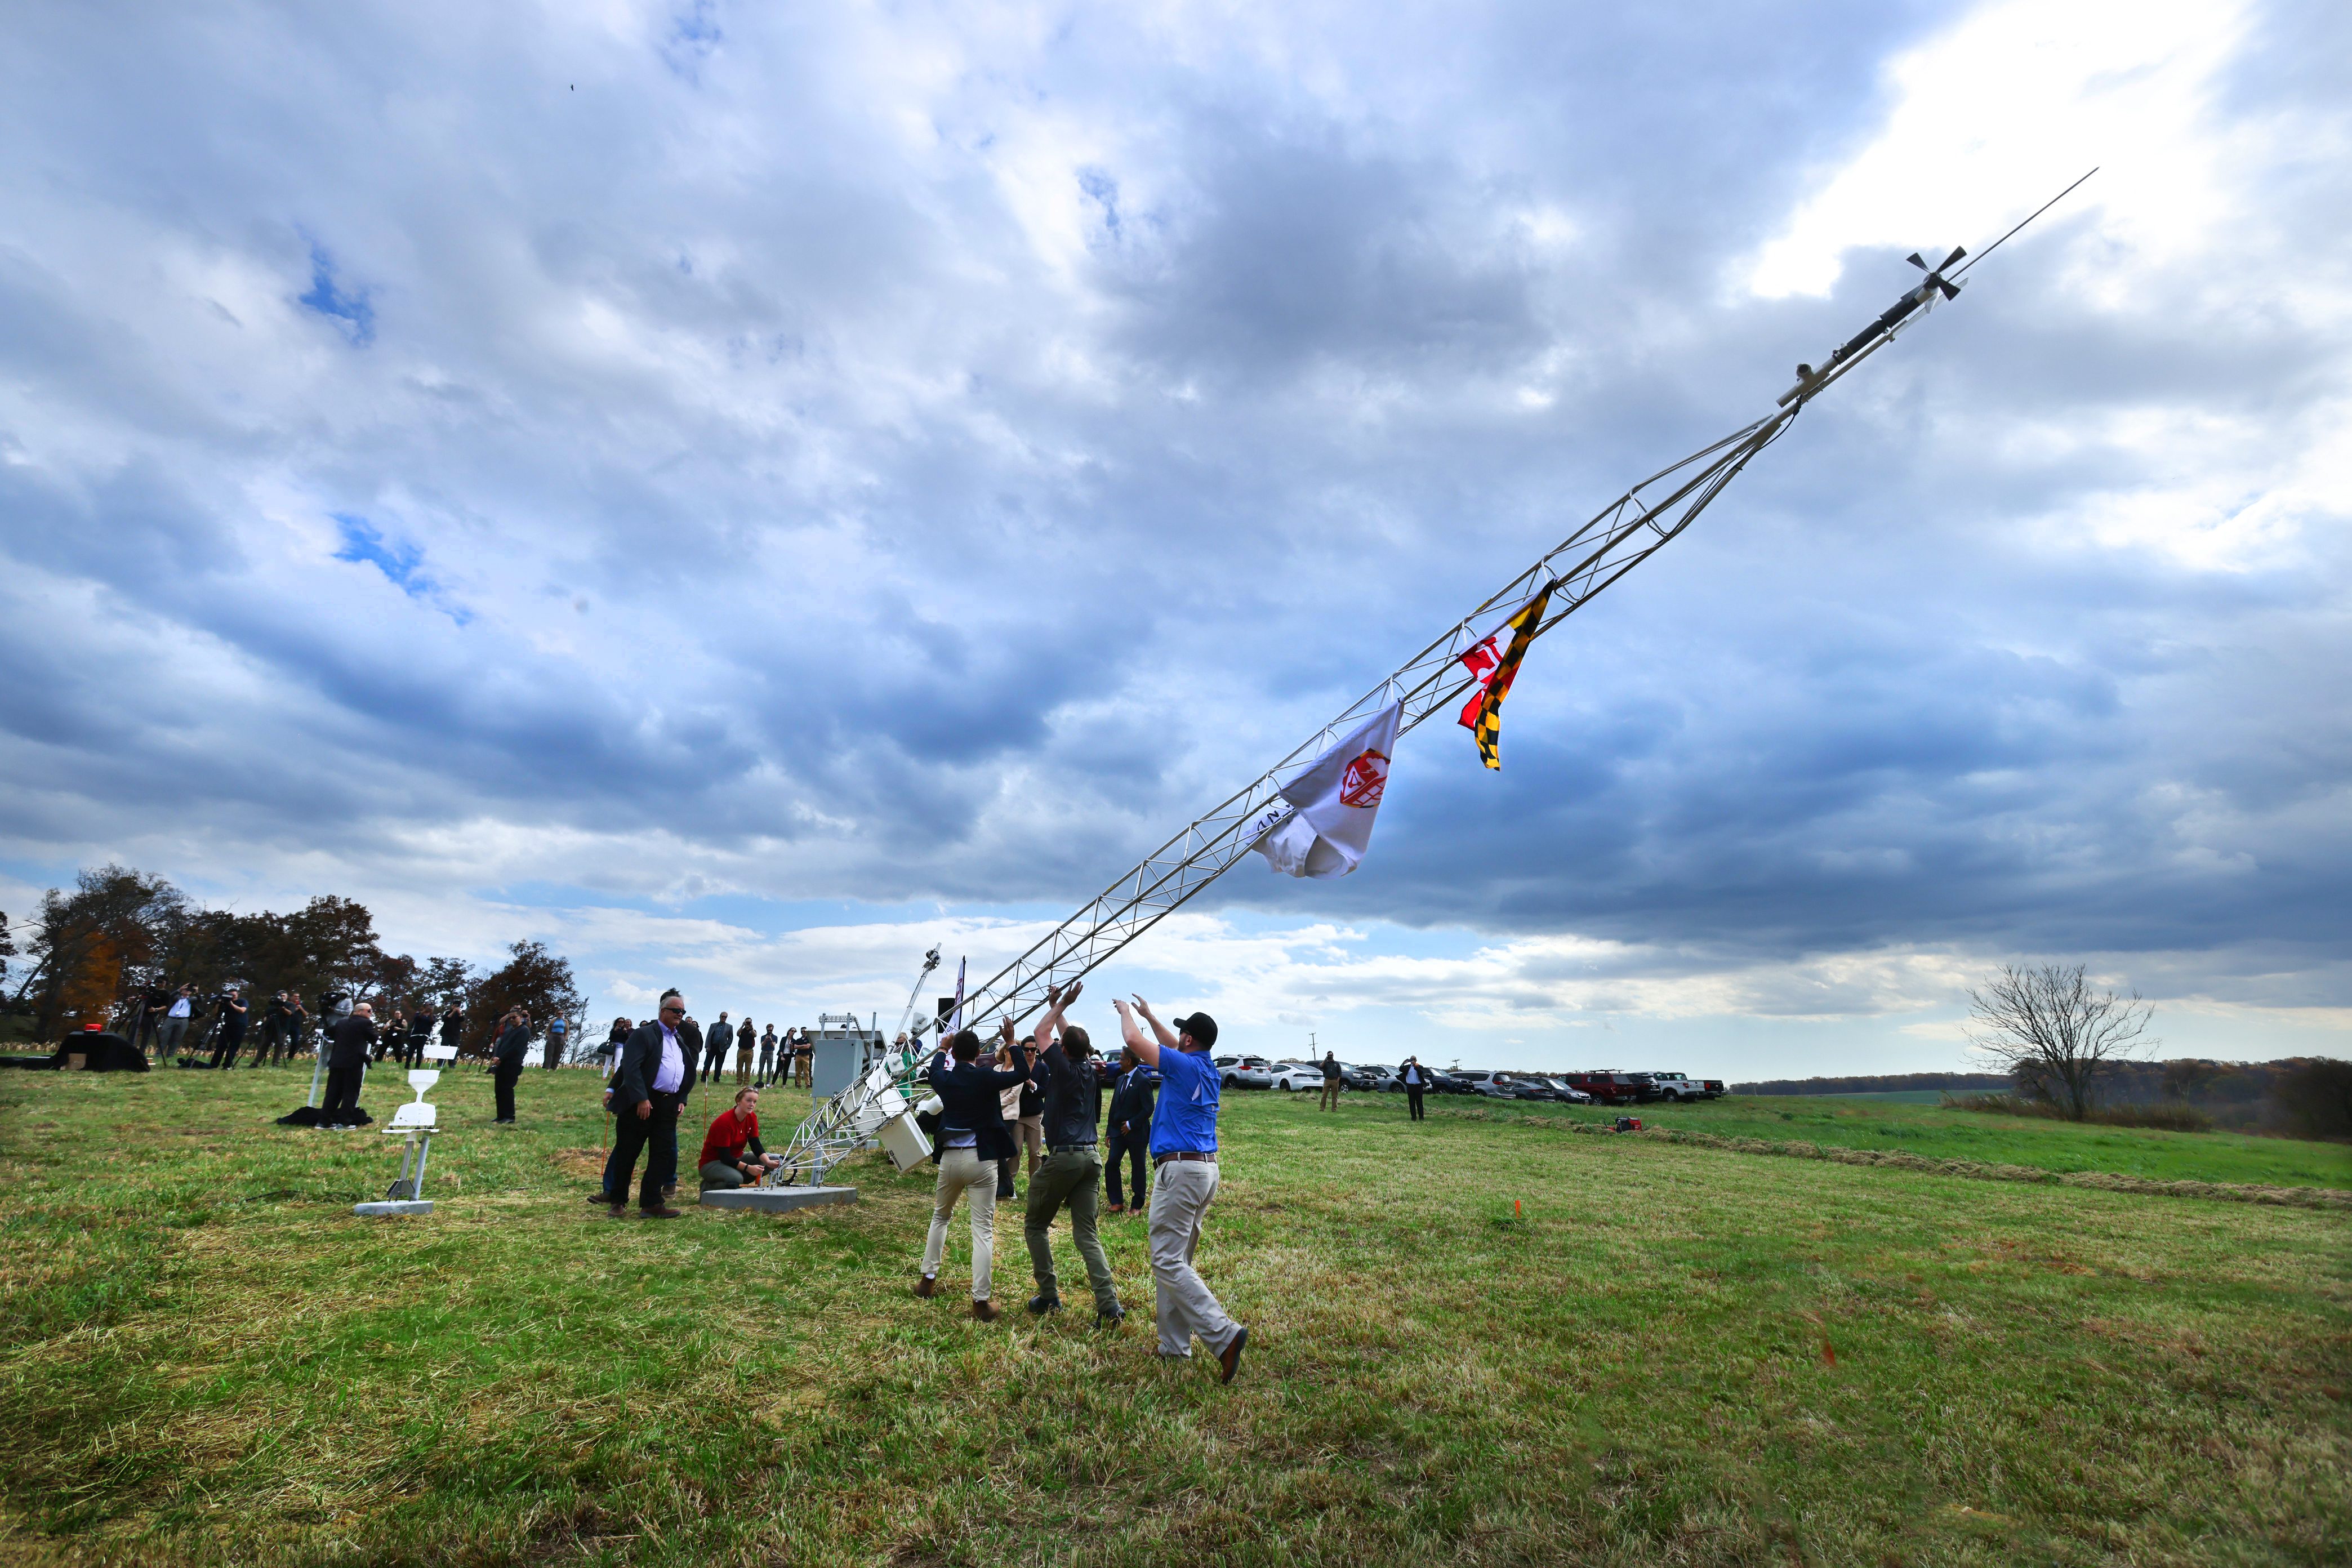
(1200, 1026)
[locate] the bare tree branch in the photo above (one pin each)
(2054, 1033)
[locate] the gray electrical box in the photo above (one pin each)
(842, 1047)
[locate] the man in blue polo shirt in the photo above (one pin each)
(1184, 1159)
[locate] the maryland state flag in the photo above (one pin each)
(1483, 715)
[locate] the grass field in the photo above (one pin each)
(1860, 1121)
(1661, 1353)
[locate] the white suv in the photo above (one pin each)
(1243, 1072)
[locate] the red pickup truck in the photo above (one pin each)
(1615, 1088)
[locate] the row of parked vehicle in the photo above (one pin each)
(1597, 1088)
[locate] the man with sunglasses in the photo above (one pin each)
(657, 1074)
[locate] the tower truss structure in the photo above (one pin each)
(1616, 539)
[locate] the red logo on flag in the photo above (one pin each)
(1366, 778)
(1480, 662)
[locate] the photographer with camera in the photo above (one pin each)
(232, 1016)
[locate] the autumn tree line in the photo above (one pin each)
(92, 951)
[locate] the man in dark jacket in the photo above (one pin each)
(972, 1138)
(421, 1024)
(347, 1053)
(656, 1076)
(1416, 1078)
(514, 1047)
(1071, 1171)
(235, 1014)
(715, 1041)
(1332, 1082)
(1130, 1128)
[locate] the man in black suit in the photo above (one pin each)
(650, 1090)
(514, 1045)
(1416, 1078)
(972, 1138)
(347, 1055)
(1130, 1128)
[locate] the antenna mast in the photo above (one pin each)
(1617, 538)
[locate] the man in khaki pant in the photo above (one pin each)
(972, 1140)
(1184, 1163)
(1332, 1082)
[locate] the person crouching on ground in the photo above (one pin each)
(972, 1138)
(735, 1134)
(1184, 1171)
(1071, 1171)
(347, 1056)
(655, 1077)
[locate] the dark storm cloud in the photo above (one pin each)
(903, 458)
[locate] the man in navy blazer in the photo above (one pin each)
(972, 1138)
(657, 1074)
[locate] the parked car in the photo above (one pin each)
(1493, 1085)
(1245, 1072)
(1566, 1092)
(1615, 1088)
(1673, 1086)
(1715, 1090)
(1363, 1076)
(1291, 1076)
(1448, 1083)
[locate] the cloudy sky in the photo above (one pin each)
(745, 492)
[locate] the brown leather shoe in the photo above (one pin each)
(927, 1287)
(984, 1312)
(661, 1213)
(618, 1211)
(1229, 1358)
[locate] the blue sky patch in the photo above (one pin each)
(349, 310)
(364, 542)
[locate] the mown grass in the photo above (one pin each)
(1664, 1353)
(1934, 1132)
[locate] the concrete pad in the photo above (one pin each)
(415, 1205)
(776, 1200)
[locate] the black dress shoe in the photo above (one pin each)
(1041, 1305)
(1229, 1358)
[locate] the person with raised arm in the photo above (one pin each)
(1184, 1170)
(972, 1140)
(1071, 1173)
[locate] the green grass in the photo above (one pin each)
(1859, 1121)
(206, 1358)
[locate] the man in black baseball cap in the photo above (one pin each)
(1184, 1163)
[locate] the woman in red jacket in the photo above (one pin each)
(732, 1154)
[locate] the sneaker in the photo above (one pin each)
(1109, 1316)
(1041, 1305)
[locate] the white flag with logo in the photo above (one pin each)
(1336, 801)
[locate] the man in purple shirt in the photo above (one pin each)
(650, 1090)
